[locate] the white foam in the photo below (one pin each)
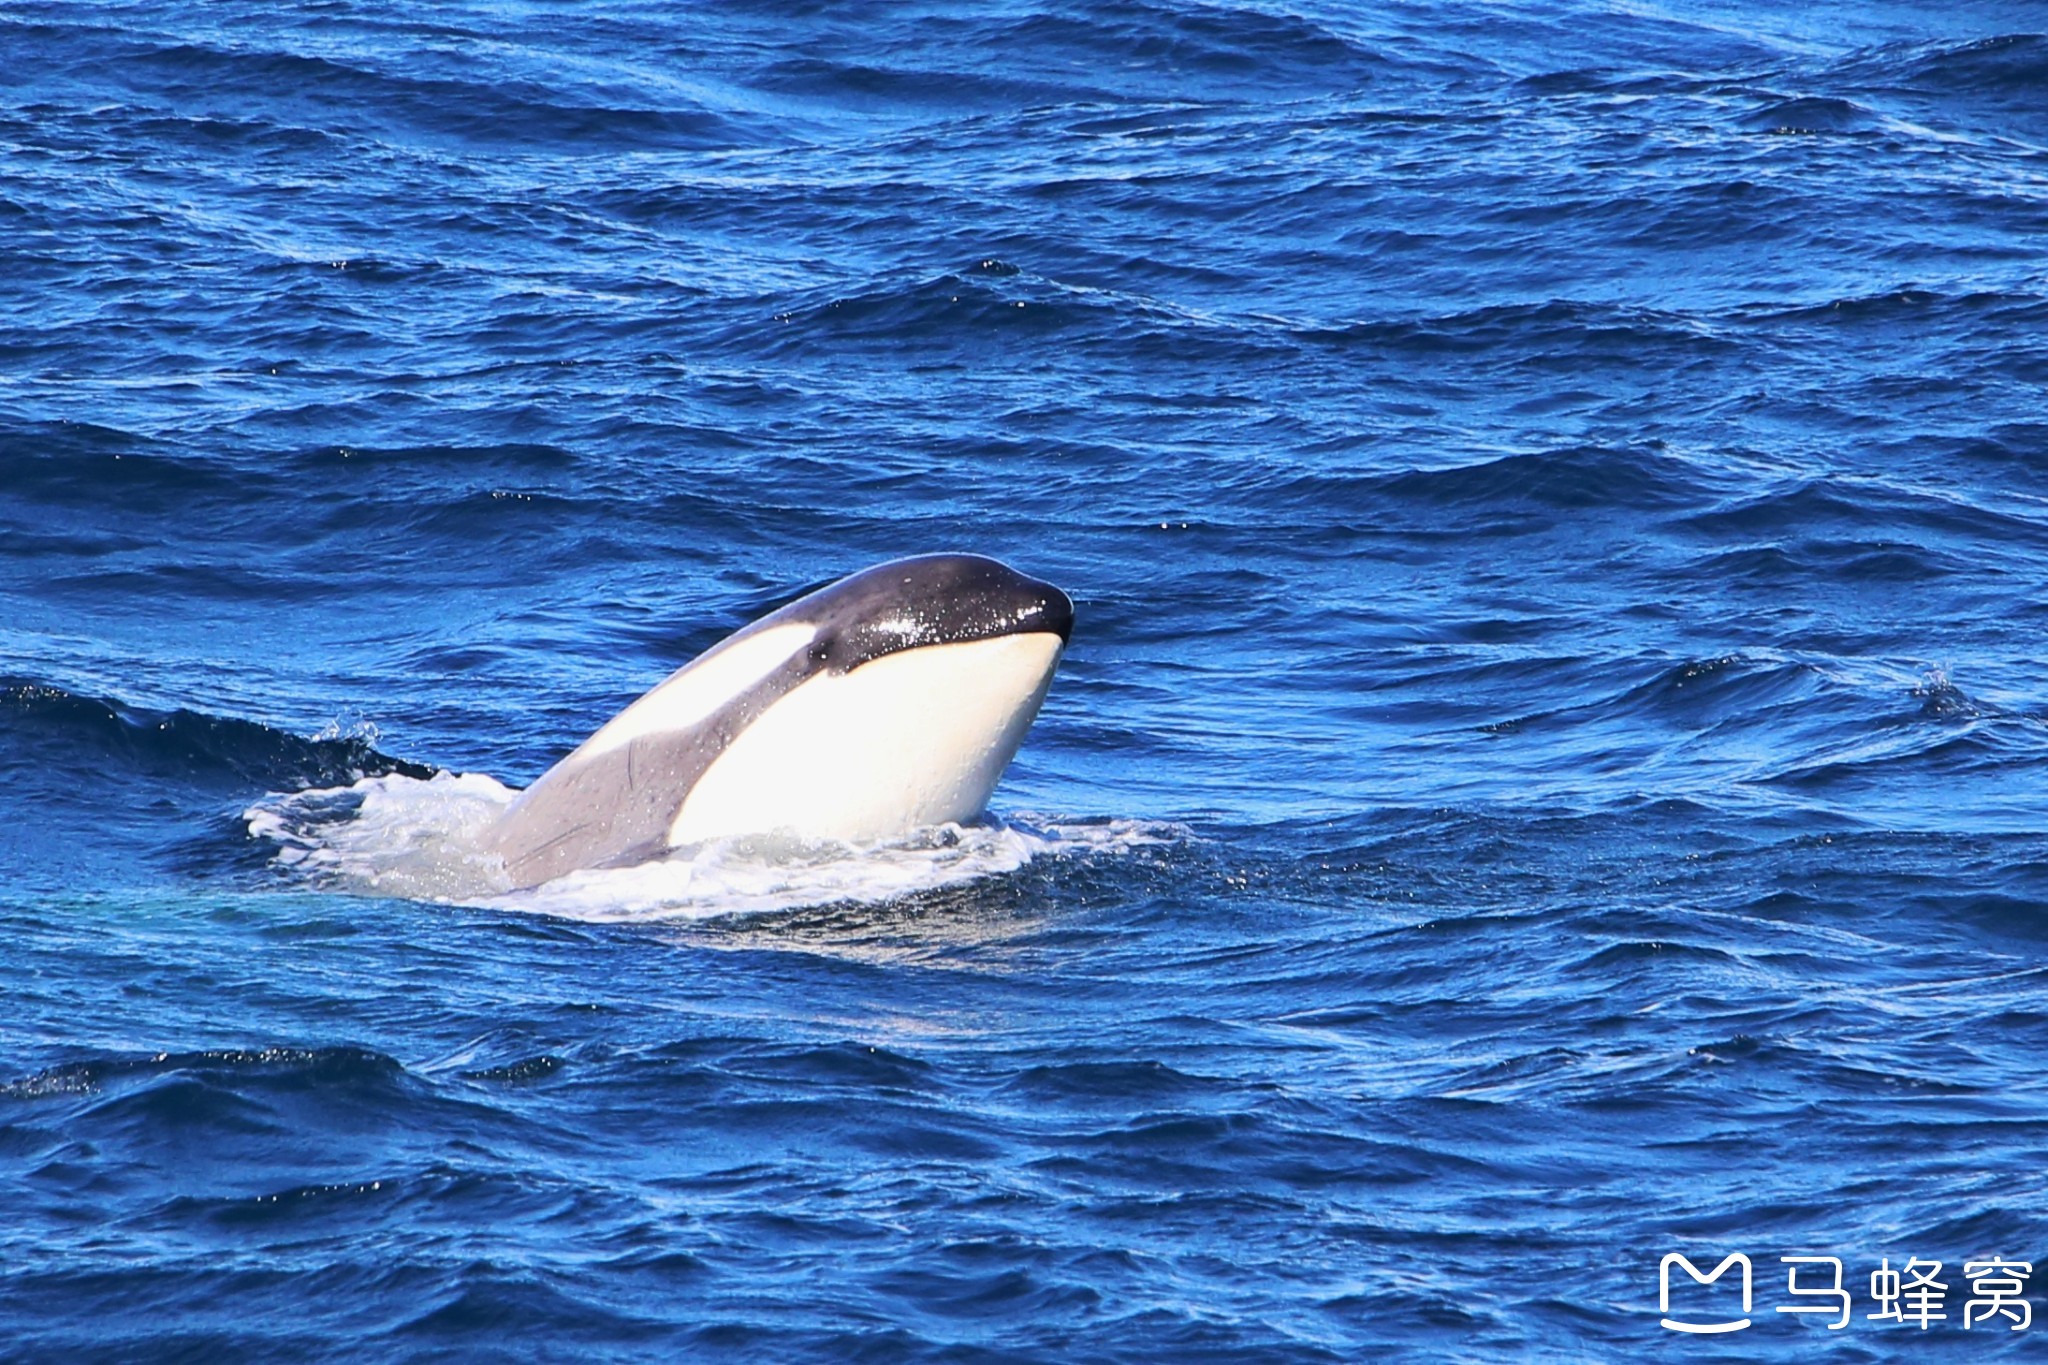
(400, 836)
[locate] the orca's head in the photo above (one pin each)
(909, 688)
(922, 602)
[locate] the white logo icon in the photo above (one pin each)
(1664, 1291)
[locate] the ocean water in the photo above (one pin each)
(1549, 773)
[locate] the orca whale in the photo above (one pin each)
(891, 699)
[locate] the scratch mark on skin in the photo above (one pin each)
(537, 851)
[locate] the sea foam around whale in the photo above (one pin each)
(394, 835)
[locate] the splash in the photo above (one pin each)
(418, 839)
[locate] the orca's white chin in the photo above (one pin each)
(914, 738)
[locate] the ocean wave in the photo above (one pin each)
(1867, 514)
(992, 306)
(1555, 334)
(1059, 56)
(186, 744)
(1910, 304)
(1811, 114)
(481, 108)
(1581, 477)
(93, 1076)
(2009, 64)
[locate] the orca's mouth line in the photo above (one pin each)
(982, 601)
(912, 646)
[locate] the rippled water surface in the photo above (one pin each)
(1549, 771)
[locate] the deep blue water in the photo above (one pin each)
(1549, 772)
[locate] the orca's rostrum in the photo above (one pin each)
(890, 700)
